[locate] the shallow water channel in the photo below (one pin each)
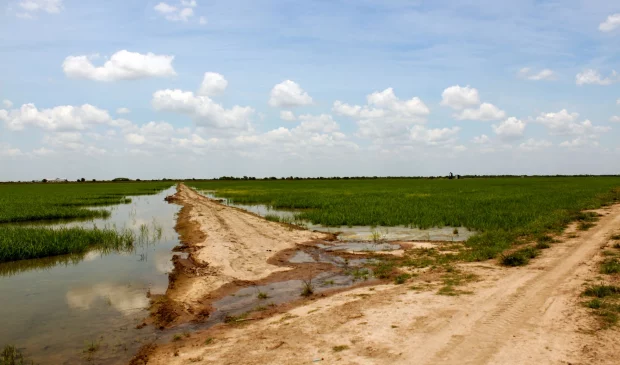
(84, 308)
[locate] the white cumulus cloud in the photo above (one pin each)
(534, 145)
(511, 128)
(123, 111)
(289, 94)
(202, 109)
(60, 118)
(287, 115)
(483, 139)
(385, 115)
(615, 118)
(433, 137)
(593, 77)
(565, 123)
(7, 104)
(484, 112)
(457, 97)
(182, 13)
(33, 6)
(123, 65)
(212, 84)
(612, 22)
(545, 74)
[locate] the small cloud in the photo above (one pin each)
(123, 65)
(287, 115)
(511, 128)
(289, 94)
(203, 20)
(7, 103)
(123, 111)
(594, 77)
(181, 13)
(612, 22)
(615, 118)
(546, 74)
(457, 97)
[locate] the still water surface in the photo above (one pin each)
(54, 309)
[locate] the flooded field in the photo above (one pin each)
(357, 233)
(84, 308)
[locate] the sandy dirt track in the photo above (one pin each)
(237, 246)
(528, 315)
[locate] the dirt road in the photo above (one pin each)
(235, 246)
(528, 315)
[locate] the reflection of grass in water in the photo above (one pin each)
(16, 267)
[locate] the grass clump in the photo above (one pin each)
(307, 288)
(610, 266)
(11, 355)
(262, 295)
(340, 348)
(272, 217)
(602, 291)
(401, 279)
(520, 257)
(615, 237)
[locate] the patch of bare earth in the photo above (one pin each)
(526, 315)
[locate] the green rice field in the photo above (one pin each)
(30, 203)
(503, 210)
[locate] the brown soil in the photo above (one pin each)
(228, 249)
(527, 315)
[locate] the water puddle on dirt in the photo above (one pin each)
(357, 233)
(69, 309)
(237, 306)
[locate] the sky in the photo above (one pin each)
(207, 88)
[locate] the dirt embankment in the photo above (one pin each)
(528, 315)
(226, 246)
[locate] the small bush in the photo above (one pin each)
(610, 266)
(602, 291)
(262, 295)
(11, 355)
(340, 348)
(594, 304)
(520, 257)
(307, 288)
(542, 245)
(401, 279)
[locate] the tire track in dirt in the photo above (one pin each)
(525, 307)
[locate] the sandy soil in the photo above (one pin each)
(236, 246)
(528, 315)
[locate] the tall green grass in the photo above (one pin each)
(20, 243)
(46, 202)
(502, 210)
(32, 202)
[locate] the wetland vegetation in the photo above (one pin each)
(22, 205)
(505, 211)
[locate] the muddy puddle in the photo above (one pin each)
(358, 233)
(243, 303)
(84, 308)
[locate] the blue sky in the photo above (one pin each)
(396, 65)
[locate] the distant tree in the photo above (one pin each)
(82, 179)
(44, 180)
(94, 180)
